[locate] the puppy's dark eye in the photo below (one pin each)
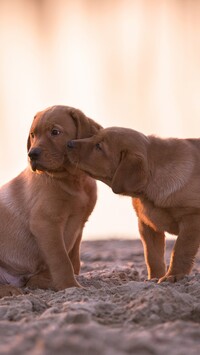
(98, 146)
(55, 132)
(32, 135)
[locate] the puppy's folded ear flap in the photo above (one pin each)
(131, 174)
(86, 127)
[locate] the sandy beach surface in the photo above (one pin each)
(117, 312)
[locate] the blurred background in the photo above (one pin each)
(132, 63)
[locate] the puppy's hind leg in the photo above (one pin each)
(185, 249)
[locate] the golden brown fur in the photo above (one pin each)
(44, 209)
(163, 178)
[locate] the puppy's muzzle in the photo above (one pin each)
(72, 152)
(71, 144)
(34, 153)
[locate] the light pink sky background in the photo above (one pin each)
(132, 63)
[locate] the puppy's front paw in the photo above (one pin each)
(8, 290)
(154, 280)
(171, 278)
(68, 284)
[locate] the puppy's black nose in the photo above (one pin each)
(34, 153)
(71, 144)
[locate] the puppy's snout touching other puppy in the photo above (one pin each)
(34, 153)
(71, 144)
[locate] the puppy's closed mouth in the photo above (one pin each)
(106, 179)
(36, 166)
(33, 165)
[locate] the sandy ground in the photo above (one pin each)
(117, 312)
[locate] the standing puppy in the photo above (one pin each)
(44, 209)
(163, 177)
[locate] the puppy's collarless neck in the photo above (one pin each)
(65, 174)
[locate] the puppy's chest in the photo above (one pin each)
(159, 219)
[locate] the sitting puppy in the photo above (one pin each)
(44, 209)
(163, 177)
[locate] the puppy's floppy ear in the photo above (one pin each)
(86, 127)
(131, 174)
